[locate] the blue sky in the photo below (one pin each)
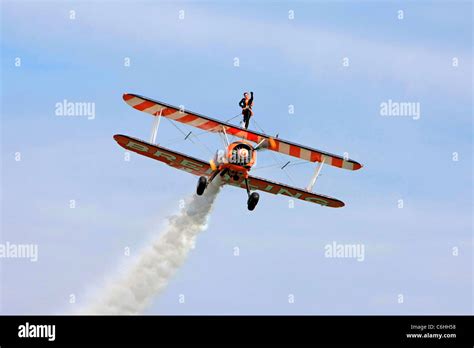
(120, 204)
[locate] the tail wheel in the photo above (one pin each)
(201, 186)
(253, 200)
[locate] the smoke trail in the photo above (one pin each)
(133, 292)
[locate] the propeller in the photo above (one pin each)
(265, 144)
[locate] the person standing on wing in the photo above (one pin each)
(246, 104)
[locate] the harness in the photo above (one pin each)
(247, 106)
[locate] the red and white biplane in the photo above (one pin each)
(234, 163)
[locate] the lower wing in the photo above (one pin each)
(199, 167)
(293, 192)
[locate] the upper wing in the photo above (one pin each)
(174, 113)
(198, 167)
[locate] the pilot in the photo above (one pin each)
(246, 104)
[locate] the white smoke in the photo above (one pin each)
(132, 292)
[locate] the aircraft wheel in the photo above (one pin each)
(201, 186)
(253, 200)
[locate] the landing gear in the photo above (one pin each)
(253, 197)
(253, 200)
(224, 172)
(201, 186)
(203, 182)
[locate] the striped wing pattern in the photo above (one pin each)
(199, 167)
(189, 118)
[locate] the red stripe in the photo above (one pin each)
(187, 118)
(127, 97)
(252, 137)
(208, 125)
(295, 151)
(246, 135)
(337, 162)
(145, 105)
(315, 156)
(232, 131)
(167, 111)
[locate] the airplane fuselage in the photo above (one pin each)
(236, 160)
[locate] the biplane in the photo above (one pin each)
(235, 162)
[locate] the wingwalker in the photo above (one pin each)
(234, 163)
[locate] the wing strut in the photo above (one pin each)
(315, 175)
(224, 137)
(154, 127)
